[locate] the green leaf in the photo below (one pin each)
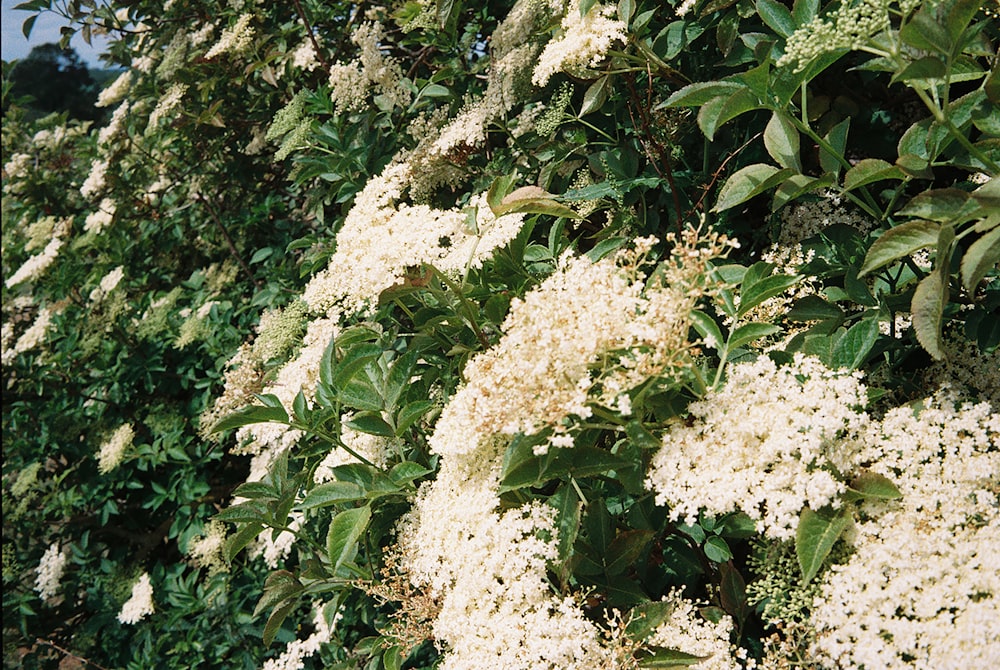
(595, 95)
(777, 17)
(697, 94)
(915, 166)
(870, 170)
(256, 490)
(837, 138)
(407, 471)
(641, 437)
(927, 309)
(332, 493)
(411, 413)
(768, 287)
(345, 531)
(815, 537)
(646, 618)
(853, 347)
(899, 242)
(626, 8)
(235, 543)
(983, 255)
(748, 182)
(625, 549)
(928, 67)
(500, 187)
(797, 185)
(926, 33)
(279, 585)
(749, 332)
(533, 200)
(804, 11)
(250, 511)
(717, 111)
(663, 658)
(398, 378)
(733, 591)
(250, 415)
(958, 16)
(944, 205)
(717, 549)
(781, 140)
(371, 423)
(872, 486)
(274, 622)
(813, 308)
(28, 25)
(585, 6)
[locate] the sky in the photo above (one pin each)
(14, 46)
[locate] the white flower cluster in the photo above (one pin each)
(167, 104)
(108, 284)
(304, 57)
(381, 238)
(206, 549)
(351, 82)
(488, 570)
(34, 267)
(541, 370)
(583, 43)
(140, 604)
(235, 39)
(116, 91)
(114, 127)
(113, 449)
(96, 180)
(30, 338)
(687, 631)
(50, 571)
(372, 447)
(802, 220)
(298, 650)
(922, 586)
(100, 218)
(769, 443)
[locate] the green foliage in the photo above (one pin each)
(175, 302)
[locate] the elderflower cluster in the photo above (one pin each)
(30, 338)
(101, 218)
(304, 57)
(587, 315)
(206, 549)
(34, 267)
(851, 26)
(235, 39)
(936, 600)
(802, 220)
(108, 284)
(583, 42)
(381, 238)
(298, 650)
(115, 126)
(170, 101)
(113, 449)
(769, 443)
(686, 630)
(116, 91)
(50, 571)
(140, 604)
(351, 82)
(96, 180)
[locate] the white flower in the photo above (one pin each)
(140, 604)
(118, 90)
(235, 39)
(50, 571)
(583, 43)
(113, 449)
(108, 283)
(37, 264)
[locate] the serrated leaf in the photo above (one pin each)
(256, 490)
(768, 287)
(332, 493)
(781, 140)
(279, 585)
(717, 111)
(798, 185)
(646, 618)
(250, 415)
(411, 413)
(873, 486)
(749, 332)
(928, 67)
(697, 94)
(983, 255)
(927, 309)
(500, 187)
(837, 137)
(533, 200)
(406, 472)
(853, 347)
(568, 511)
(625, 549)
(707, 328)
(717, 549)
(813, 308)
(274, 622)
(748, 182)
(250, 511)
(776, 16)
(870, 170)
(944, 205)
(899, 242)
(371, 423)
(595, 95)
(345, 531)
(815, 537)
(664, 658)
(235, 543)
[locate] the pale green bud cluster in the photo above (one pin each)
(279, 331)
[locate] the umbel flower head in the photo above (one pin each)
(140, 604)
(113, 450)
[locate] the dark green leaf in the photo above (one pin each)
(928, 67)
(645, 619)
(250, 511)
(872, 486)
(749, 332)
(533, 200)
(255, 490)
(899, 242)
(813, 308)
(595, 95)
(815, 537)
(945, 205)
(776, 16)
(345, 531)
(251, 415)
(279, 585)
(406, 472)
(332, 493)
(696, 95)
(927, 309)
(371, 423)
(235, 543)
(870, 170)
(707, 328)
(717, 549)
(837, 138)
(625, 549)
(717, 111)
(663, 658)
(568, 508)
(748, 182)
(781, 140)
(758, 292)
(982, 257)
(853, 348)
(411, 413)
(274, 621)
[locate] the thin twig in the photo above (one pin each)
(715, 175)
(67, 652)
(312, 36)
(229, 240)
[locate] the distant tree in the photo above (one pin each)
(58, 81)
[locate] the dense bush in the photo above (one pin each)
(535, 334)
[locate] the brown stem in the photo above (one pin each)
(312, 36)
(718, 173)
(649, 138)
(67, 652)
